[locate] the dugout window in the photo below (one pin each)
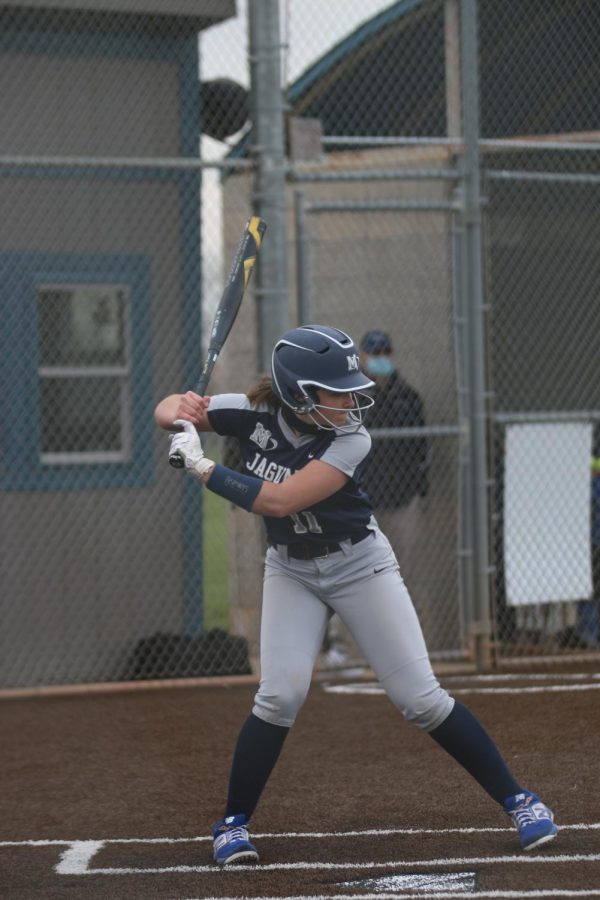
(77, 365)
(84, 373)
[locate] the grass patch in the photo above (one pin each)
(216, 561)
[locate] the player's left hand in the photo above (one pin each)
(192, 407)
(187, 444)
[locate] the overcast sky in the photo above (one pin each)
(310, 28)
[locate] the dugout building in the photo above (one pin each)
(100, 282)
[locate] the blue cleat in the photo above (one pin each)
(532, 818)
(231, 842)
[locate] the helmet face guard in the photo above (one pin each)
(317, 356)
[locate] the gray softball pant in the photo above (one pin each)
(363, 585)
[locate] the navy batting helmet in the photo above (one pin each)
(317, 356)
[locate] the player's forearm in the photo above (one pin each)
(313, 483)
(189, 407)
(166, 412)
(259, 497)
(275, 501)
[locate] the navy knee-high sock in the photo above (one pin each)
(464, 737)
(256, 752)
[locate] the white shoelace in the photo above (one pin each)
(524, 816)
(239, 833)
(528, 815)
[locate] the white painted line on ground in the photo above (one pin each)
(348, 866)
(367, 832)
(547, 689)
(526, 676)
(502, 895)
(76, 859)
(372, 689)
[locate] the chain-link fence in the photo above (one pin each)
(113, 245)
(104, 576)
(543, 278)
(378, 257)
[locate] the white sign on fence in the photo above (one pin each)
(547, 497)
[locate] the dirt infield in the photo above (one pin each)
(113, 795)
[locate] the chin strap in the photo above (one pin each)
(297, 424)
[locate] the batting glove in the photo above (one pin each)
(187, 445)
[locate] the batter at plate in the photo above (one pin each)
(304, 446)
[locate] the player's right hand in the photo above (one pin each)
(188, 447)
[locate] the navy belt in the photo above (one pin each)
(304, 550)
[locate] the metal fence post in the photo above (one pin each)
(476, 345)
(465, 525)
(268, 149)
(302, 281)
(452, 68)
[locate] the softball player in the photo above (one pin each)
(304, 446)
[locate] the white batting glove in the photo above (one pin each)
(187, 445)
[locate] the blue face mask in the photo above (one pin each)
(379, 366)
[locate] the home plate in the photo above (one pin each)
(436, 881)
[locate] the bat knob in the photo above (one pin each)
(177, 461)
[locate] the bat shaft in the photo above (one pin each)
(239, 275)
(207, 371)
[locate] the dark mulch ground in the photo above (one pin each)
(154, 764)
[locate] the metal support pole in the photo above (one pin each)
(268, 150)
(302, 285)
(467, 610)
(476, 344)
(452, 66)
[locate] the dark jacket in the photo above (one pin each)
(397, 468)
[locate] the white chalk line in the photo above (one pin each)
(367, 832)
(527, 676)
(76, 859)
(547, 689)
(436, 895)
(590, 681)
(73, 864)
(373, 688)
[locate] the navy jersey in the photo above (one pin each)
(271, 451)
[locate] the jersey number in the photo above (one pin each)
(302, 527)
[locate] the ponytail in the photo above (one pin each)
(263, 393)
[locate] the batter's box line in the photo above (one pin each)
(373, 689)
(434, 895)
(75, 860)
(367, 832)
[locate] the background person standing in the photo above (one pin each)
(396, 475)
(397, 470)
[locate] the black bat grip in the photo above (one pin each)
(202, 384)
(176, 460)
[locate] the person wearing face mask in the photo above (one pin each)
(397, 471)
(395, 477)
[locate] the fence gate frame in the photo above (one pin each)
(473, 607)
